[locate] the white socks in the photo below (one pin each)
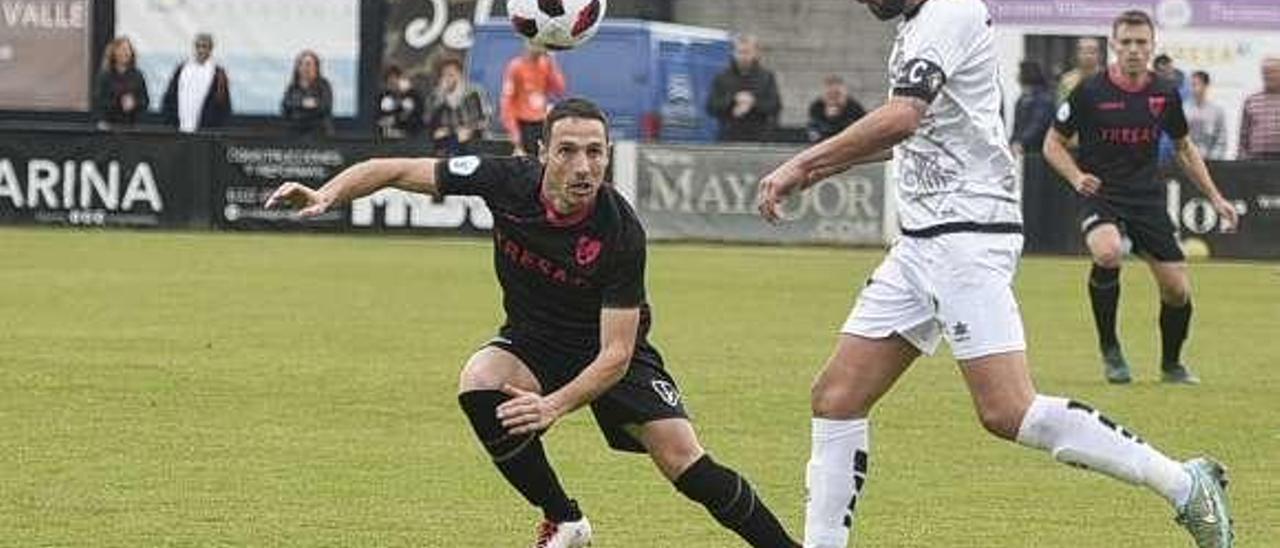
(1076, 434)
(834, 479)
(1072, 432)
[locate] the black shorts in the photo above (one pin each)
(645, 393)
(1147, 225)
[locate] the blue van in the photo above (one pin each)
(651, 78)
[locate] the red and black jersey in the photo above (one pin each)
(557, 273)
(1120, 127)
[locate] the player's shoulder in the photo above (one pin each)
(1161, 86)
(471, 165)
(1093, 84)
(621, 214)
(504, 181)
(949, 13)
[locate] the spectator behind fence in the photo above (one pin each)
(120, 90)
(308, 101)
(1205, 119)
(1165, 70)
(459, 111)
(1087, 63)
(400, 107)
(744, 97)
(199, 93)
(1260, 117)
(833, 111)
(529, 83)
(1034, 110)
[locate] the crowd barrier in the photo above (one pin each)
(143, 179)
(681, 192)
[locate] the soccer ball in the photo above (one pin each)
(556, 24)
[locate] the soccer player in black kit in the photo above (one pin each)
(570, 257)
(1119, 115)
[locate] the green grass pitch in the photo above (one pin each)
(200, 389)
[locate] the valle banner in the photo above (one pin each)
(44, 54)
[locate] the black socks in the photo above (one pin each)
(1175, 321)
(521, 459)
(733, 503)
(1104, 295)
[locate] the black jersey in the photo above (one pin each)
(556, 273)
(1120, 130)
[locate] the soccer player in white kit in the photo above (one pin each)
(950, 276)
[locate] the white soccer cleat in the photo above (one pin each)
(565, 534)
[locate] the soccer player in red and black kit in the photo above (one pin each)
(570, 256)
(1119, 115)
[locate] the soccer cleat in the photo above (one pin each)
(1115, 367)
(564, 534)
(1177, 374)
(1206, 515)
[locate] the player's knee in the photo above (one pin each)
(674, 460)
(1108, 256)
(473, 378)
(835, 401)
(1001, 421)
(1177, 293)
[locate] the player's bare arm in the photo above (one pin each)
(367, 177)
(1056, 153)
(531, 412)
(870, 139)
(1193, 165)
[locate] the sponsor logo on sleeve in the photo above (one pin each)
(464, 166)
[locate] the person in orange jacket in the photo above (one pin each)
(528, 84)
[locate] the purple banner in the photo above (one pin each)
(1249, 14)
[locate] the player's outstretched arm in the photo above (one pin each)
(1056, 153)
(412, 174)
(868, 140)
(530, 412)
(1192, 164)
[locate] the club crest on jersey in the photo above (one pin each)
(667, 392)
(587, 251)
(1064, 112)
(1156, 105)
(463, 166)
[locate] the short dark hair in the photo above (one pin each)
(1030, 74)
(1132, 17)
(1162, 59)
(1202, 75)
(574, 107)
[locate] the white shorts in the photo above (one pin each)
(957, 285)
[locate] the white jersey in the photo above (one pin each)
(957, 167)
